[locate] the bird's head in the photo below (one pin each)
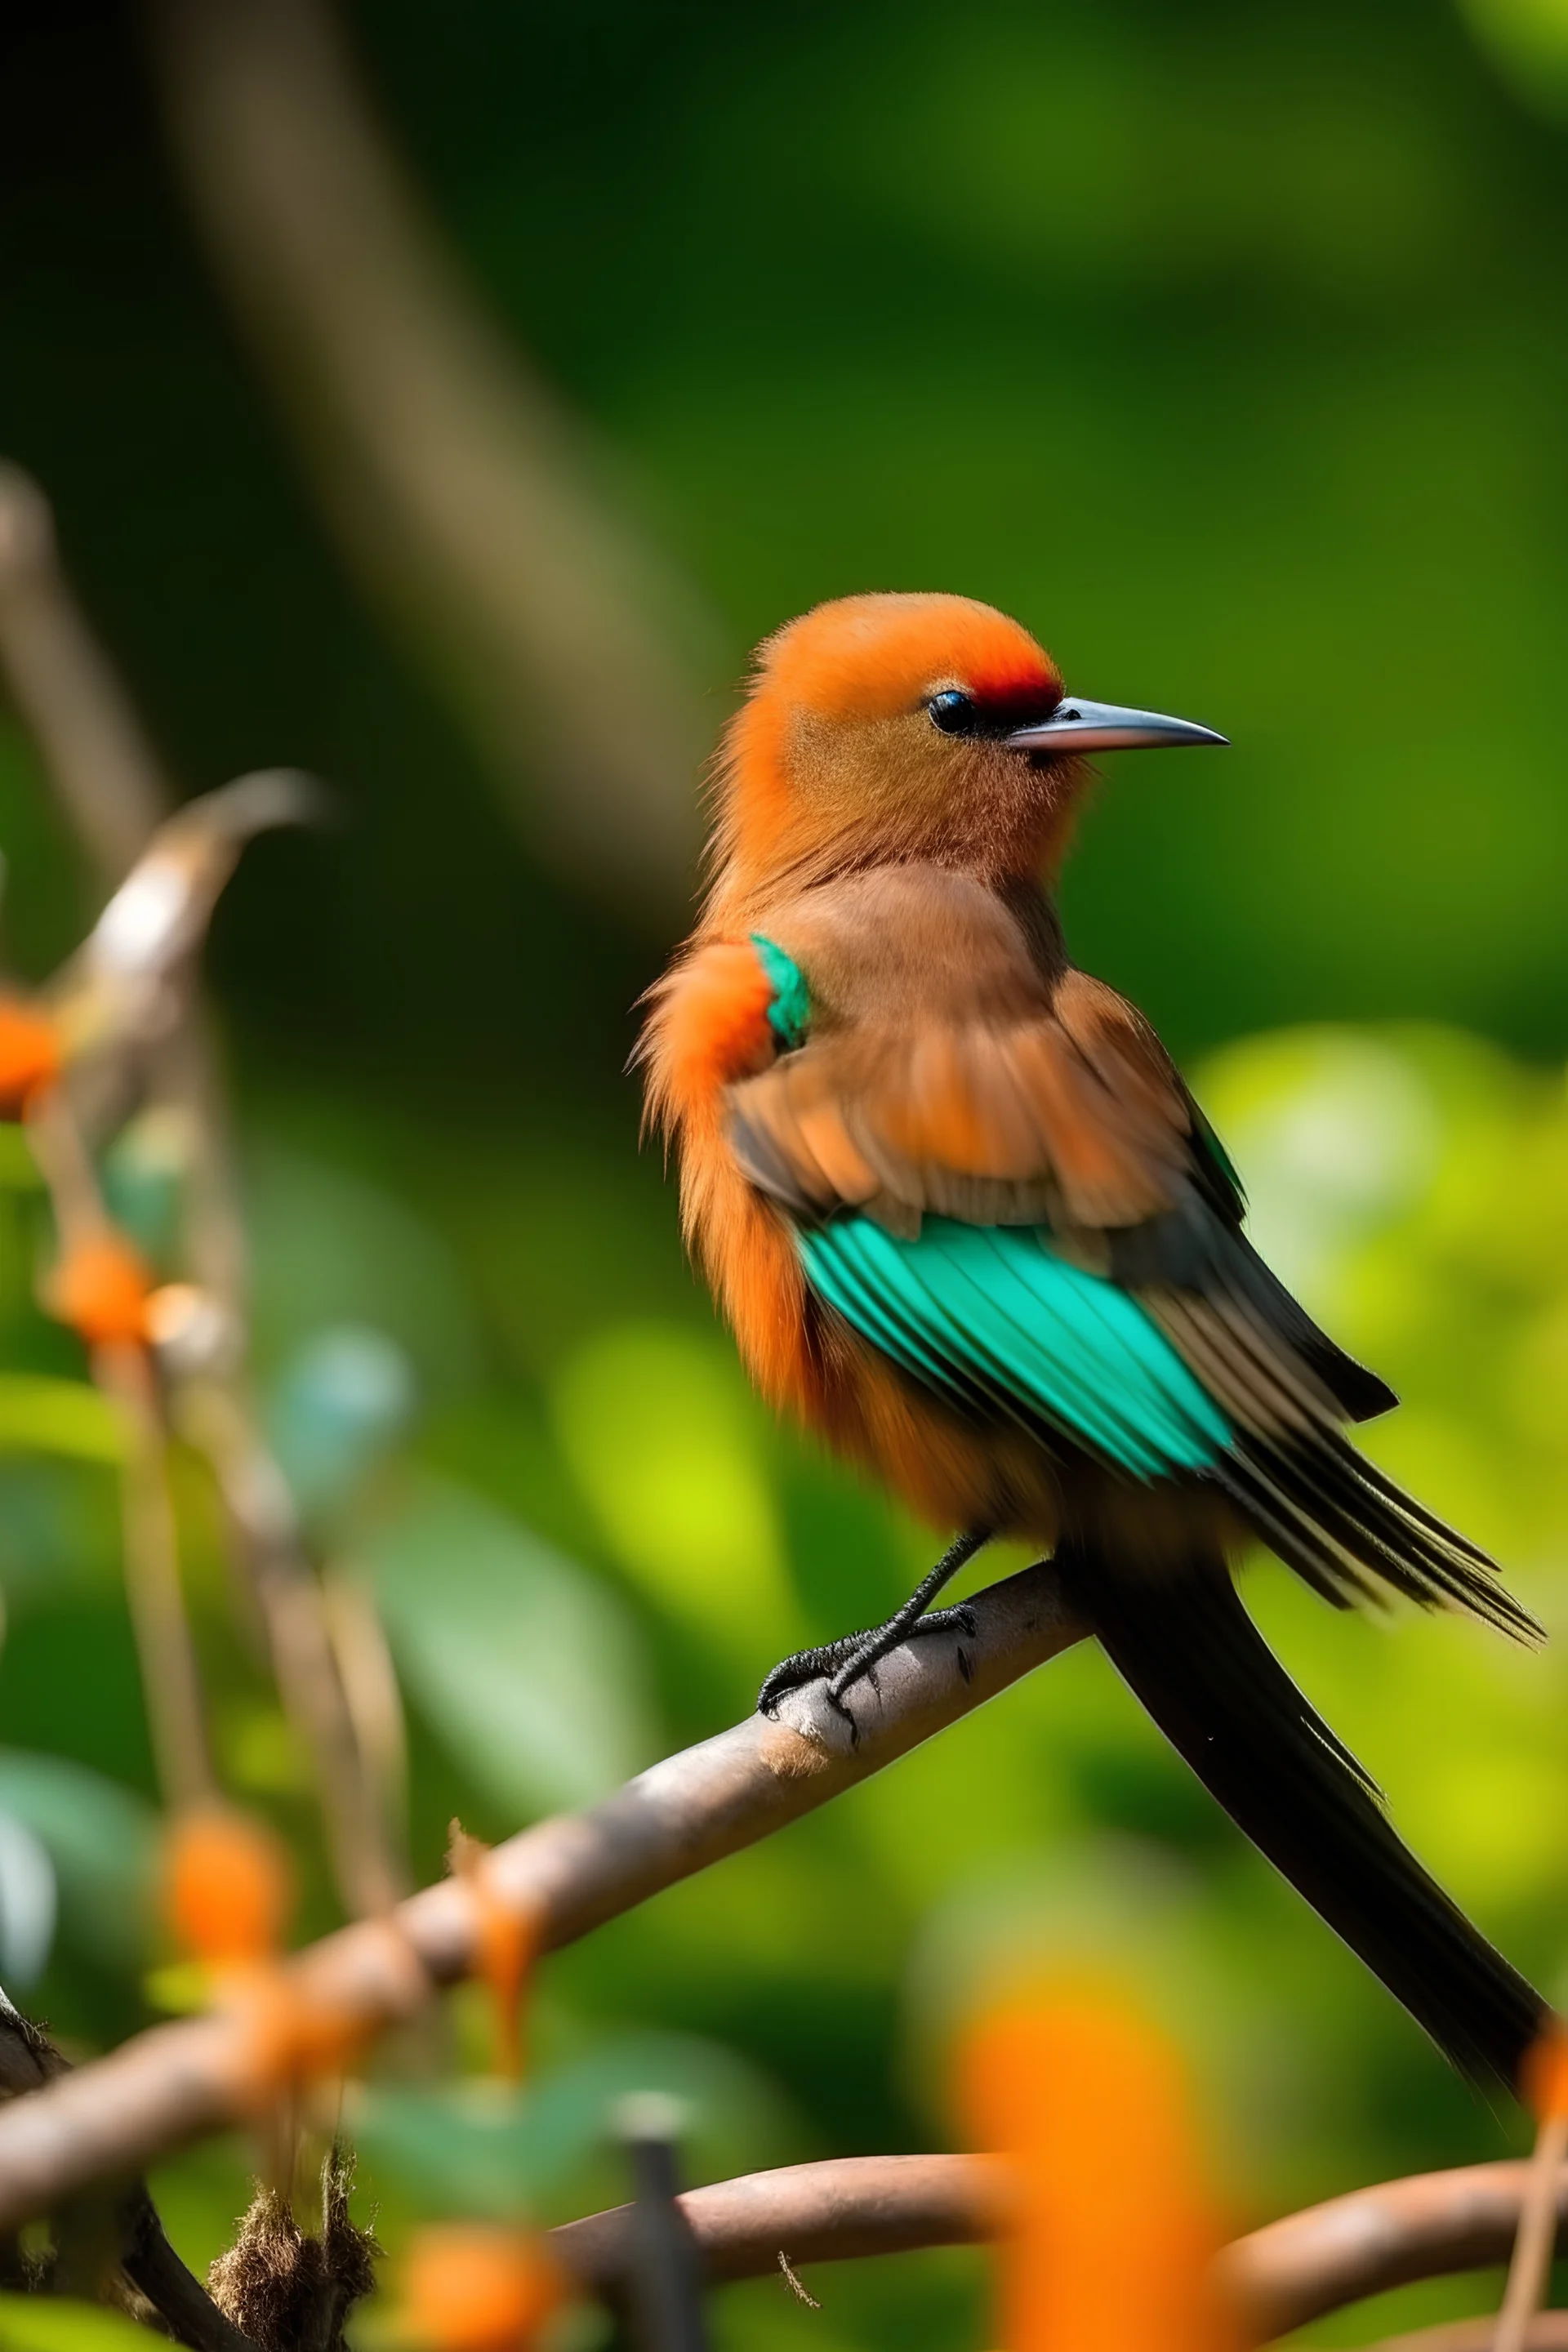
(904, 726)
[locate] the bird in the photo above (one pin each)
(970, 1226)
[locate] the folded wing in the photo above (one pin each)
(1033, 1219)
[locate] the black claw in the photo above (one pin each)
(855, 1658)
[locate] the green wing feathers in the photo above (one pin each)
(994, 1313)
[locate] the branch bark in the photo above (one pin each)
(1373, 2239)
(1548, 2331)
(830, 2212)
(1291, 2272)
(566, 1876)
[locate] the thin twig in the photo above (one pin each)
(180, 2080)
(178, 2296)
(1532, 2263)
(171, 1682)
(170, 1675)
(356, 1815)
(801, 2293)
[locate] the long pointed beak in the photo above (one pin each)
(1076, 725)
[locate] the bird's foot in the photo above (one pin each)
(855, 1657)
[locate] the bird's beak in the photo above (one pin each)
(1076, 725)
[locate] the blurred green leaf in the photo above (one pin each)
(333, 1248)
(18, 1169)
(29, 1904)
(666, 1444)
(488, 2147)
(1529, 39)
(101, 1840)
(39, 2322)
(527, 1667)
(335, 1408)
(41, 1414)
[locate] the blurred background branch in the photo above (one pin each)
(67, 693)
(471, 506)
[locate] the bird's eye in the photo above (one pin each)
(954, 712)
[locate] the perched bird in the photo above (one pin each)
(968, 1223)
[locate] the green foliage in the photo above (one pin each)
(482, 2147)
(31, 2323)
(39, 1414)
(524, 1665)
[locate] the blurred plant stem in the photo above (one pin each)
(360, 1798)
(170, 1675)
(66, 691)
(171, 1680)
(1530, 2267)
(165, 872)
(465, 498)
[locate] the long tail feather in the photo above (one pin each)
(1186, 1647)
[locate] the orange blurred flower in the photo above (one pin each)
(506, 1945)
(228, 1887)
(31, 1053)
(468, 2288)
(1106, 2242)
(101, 1287)
(1546, 2074)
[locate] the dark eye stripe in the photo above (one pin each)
(994, 711)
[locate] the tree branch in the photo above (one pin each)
(566, 1875)
(1373, 2239)
(830, 2212)
(1293, 2271)
(1548, 2331)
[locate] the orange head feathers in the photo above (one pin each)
(885, 728)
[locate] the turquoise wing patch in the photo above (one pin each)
(789, 1014)
(991, 1315)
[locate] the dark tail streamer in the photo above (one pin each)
(1186, 1647)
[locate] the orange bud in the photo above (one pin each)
(506, 1943)
(101, 1288)
(229, 1887)
(1545, 2073)
(31, 1053)
(286, 2035)
(1106, 2241)
(468, 2288)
